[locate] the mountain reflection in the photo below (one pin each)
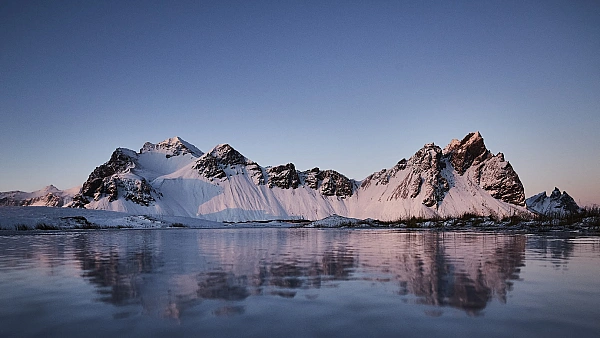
(167, 272)
(222, 285)
(459, 270)
(557, 250)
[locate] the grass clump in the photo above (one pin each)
(512, 221)
(45, 226)
(414, 222)
(21, 227)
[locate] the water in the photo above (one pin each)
(298, 283)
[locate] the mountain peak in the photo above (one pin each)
(228, 155)
(222, 147)
(472, 138)
(173, 146)
(556, 203)
(50, 188)
(471, 150)
(173, 140)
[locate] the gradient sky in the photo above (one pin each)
(352, 85)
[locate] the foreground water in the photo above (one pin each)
(298, 283)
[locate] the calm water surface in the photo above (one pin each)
(298, 283)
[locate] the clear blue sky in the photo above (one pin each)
(351, 85)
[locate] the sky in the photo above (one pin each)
(353, 86)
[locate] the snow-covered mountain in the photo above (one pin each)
(175, 178)
(49, 196)
(556, 204)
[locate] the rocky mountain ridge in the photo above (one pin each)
(556, 204)
(49, 196)
(174, 177)
(473, 160)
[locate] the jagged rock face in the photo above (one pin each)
(556, 203)
(223, 158)
(209, 167)
(137, 191)
(256, 173)
(213, 165)
(328, 182)
(311, 178)
(99, 180)
(335, 184)
(228, 156)
(498, 177)
(470, 151)
(424, 176)
(423, 173)
(105, 181)
(283, 176)
(490, 172)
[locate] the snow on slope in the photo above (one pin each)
(174, 178)
(336, 221)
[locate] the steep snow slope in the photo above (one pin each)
(175, 178)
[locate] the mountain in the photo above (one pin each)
(175, 178)
(49, 196)
(556, 204)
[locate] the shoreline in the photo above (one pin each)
(27, 219)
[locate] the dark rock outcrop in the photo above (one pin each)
(425, 176)
(329, 182)
(335, 184)
(106, 181)
(209, 167)
(228, 156)
(99, 183)
(283, 176)
(213, 165)
(256, 173)
(311, 178)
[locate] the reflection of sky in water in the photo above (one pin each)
(297, 276)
